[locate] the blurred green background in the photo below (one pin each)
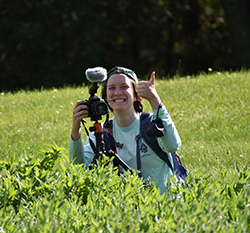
(51, 43)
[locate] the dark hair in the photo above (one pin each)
(137, 102)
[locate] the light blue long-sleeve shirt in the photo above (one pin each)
(151, 165)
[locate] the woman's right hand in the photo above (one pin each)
(80, 112)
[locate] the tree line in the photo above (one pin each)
(51, 43)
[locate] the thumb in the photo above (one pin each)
(152, 79)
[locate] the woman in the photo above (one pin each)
(124, 93)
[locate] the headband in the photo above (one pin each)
(121, 70)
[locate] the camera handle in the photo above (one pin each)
(93, 89)
(99, 149)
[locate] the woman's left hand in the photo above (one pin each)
(147, 91)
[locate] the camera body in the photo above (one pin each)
(97, 108)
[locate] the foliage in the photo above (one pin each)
(43, 192)
(51, 195)
(50, 43)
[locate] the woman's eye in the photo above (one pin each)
(111, 88)
(124, 87)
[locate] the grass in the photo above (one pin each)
(211, 113)
(32, 120)
(41, 192)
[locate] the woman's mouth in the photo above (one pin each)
(117, 100)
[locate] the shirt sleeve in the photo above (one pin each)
(76, 152)
(79, 153)
(171, 140)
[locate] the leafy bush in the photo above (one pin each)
(43, 192)
(47, 194)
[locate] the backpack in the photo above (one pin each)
(145, 118)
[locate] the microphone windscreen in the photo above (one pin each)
(97, 74)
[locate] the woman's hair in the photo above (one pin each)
(138, 99)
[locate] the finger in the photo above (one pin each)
(80, 110)
(141, 84)
(141, 87)
(152, 79)
(80, 102)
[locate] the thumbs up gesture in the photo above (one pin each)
(147, 91)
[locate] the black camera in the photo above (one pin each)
(97, 106)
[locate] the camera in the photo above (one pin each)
(97, 106)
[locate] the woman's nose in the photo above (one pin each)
(117, 91)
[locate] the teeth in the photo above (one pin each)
(118, 101)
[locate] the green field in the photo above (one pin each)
(41, 192)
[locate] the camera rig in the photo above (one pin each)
(97, 108)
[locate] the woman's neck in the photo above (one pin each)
(124, 119)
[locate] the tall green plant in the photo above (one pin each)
(51, 195)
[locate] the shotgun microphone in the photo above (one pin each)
(97, 74)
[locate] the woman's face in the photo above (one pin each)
(120, 93)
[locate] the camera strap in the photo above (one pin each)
(87, 132)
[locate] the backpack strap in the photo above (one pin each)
(108, 136)
(145, 119)
(177, 168)
(152, 141)
(109, 141)
(138, 156)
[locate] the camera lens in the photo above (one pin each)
(101, 108)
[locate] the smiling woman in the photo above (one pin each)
(120, 91)
(129, 81)
(124, 94)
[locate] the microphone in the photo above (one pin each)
(97, 74)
